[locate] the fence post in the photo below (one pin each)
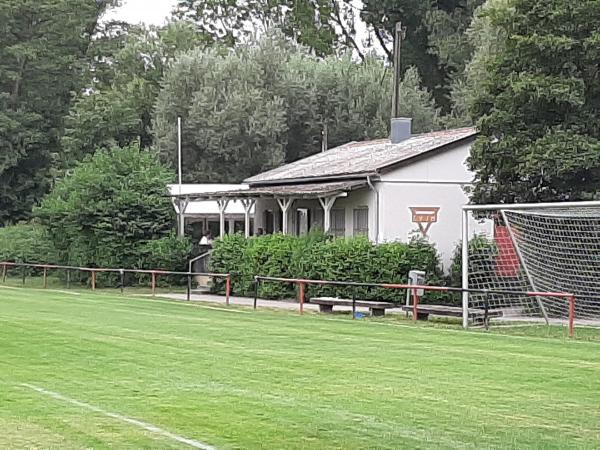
(415, 304)
(301, 294)
(353, 303)
(24, 273)
(45, 277)
(93, 280)
(122, 273)
(153, 284)
(571, 316)
(256, 281)
(227, 289)
(189, 287)
(4, 269)
(68, 278)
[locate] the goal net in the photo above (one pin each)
(536, 247)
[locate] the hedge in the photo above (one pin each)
(29, 243)
(26, 243)
(317, 256)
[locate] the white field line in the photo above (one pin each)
(138, 423)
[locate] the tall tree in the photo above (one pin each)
(539, 104)
(435, 37)
(124, 81)
(254, 107)
(43, 44)
(232, 127)
(317, 24)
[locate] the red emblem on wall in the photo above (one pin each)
(424, 217)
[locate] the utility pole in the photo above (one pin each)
(399, 36)
(180, 202)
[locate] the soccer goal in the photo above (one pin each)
(550, 247)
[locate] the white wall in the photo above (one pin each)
(447, 166)
(436, 181)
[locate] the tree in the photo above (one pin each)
(250, 109)
(317, 24)
(108, 210)
(116, 109)
(43, 44)
(232, 127)
(538, 108)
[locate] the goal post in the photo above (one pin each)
(537, 248)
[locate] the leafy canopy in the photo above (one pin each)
(107, 211)
(538, 106)
(262, 104)
(43, 45)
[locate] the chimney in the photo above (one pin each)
(401, 129)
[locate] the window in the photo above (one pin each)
(361, 221)
(338, 222)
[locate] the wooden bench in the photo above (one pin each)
(326, 304)
(423, 311)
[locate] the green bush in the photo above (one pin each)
(109, 211)
(168, 253)
(317, 256)
(26, 243)
(485, 261)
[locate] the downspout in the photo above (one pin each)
(372, 187)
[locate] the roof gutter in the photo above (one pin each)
(374, 189)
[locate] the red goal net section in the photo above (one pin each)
(541, 249)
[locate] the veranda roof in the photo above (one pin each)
(310, 190)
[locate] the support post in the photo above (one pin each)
(45, 278)
(153, 284)
(301, 297)
(353, 304)
(327, 205)
(571, 316)
(248, 204)
(93, 280)
(486, 311)
(415, 304)
(68, 279)
(189, 287)
(182, 206)
(24, 273)
(285, 204)
(4, 269)
(465, 267)
(227, 289)
(222, 203)
(256, 281)
(122, 274)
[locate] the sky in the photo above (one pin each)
(147, 11)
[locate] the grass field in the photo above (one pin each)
(85, 370)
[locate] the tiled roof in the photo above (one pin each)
(361, 158)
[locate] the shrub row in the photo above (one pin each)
(30, 243)
(317, 256)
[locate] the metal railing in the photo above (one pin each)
(413, 289)
(93, 271)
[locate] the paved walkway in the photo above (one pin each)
(273, 304)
